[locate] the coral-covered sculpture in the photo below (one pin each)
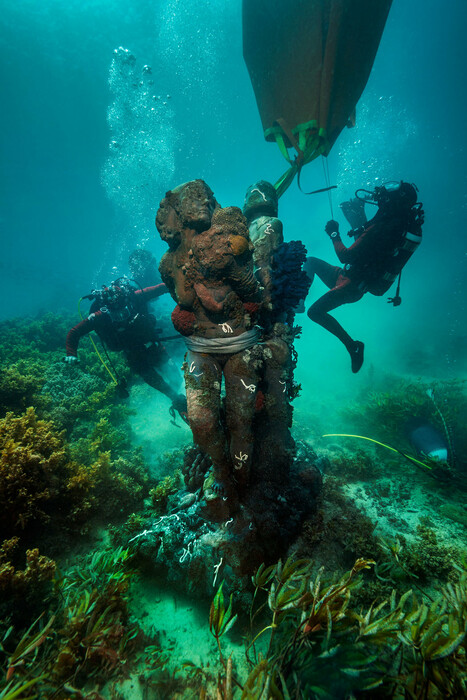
(209, 271)
(249, 489)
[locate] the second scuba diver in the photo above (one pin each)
(120, 317)
(373, 262)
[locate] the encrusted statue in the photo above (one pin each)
(209, 272)
(278, 269)
(235, 291)
(260, 209)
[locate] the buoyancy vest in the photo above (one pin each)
(395, 262)
(392, 245)
(122, 331)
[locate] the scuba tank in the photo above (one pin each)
(395, 261)
(400, 217)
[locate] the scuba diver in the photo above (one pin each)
(144, 268)
(381, 248)
(120, 317)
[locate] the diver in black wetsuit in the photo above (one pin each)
(120, 317)
(372, 263)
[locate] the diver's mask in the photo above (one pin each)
(400, 195)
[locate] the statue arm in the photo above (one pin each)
(244, 282)
(270, 238)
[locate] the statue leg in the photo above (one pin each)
(203, 378)
(241, 381)
(275, 443)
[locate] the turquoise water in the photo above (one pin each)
(106, 106)
(66, 224)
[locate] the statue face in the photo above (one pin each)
(197, 205)
(188, 206)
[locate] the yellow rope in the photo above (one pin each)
(95, 346)
(362, 437)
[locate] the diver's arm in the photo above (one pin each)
(153, 292)
(76, 333)
(354, 252)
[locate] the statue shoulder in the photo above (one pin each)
(265, 226)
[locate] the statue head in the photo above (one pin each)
(260, 200)
(187, 207)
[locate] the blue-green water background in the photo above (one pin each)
(73, 207)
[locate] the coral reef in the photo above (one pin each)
(359, 465)
(20, 386)
(426, 558)
(33, 470)
(43, 490)
(30, 338)
(338, 531)
(453, 512)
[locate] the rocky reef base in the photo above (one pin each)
(199, 542)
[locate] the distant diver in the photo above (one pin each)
(373, 262)
(120, 317)
(144, 268)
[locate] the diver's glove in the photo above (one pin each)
(71, 360)
(332, 227)
(395, 301)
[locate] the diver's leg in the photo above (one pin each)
(203, 378)
(326, 272)
(344, 293)
(241, 382)
(140, 362)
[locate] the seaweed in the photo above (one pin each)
(383, 414)
(89, 636)
(320, 646)
(166, 487)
